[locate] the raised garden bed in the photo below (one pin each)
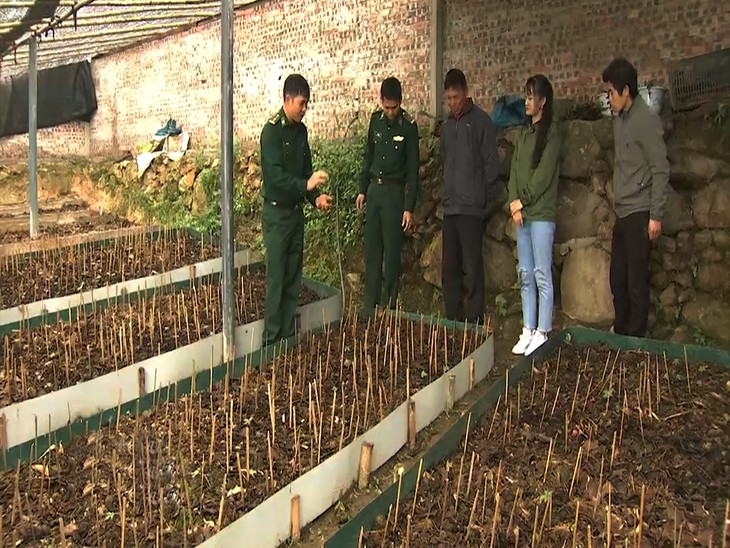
(595, 445)
(184, 469)
(47, 358)
(116, 354)
(66, 270)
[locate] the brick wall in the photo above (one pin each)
(346, 54)
(499, 44)
(60, 141)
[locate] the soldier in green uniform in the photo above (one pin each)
(389, 184)
(286, 165)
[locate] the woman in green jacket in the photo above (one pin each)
(533, 191)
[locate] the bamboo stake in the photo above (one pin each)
(295, 523)
(641, 515)
(411, 426)
(415, 493)
(366, 452)
(575, 523)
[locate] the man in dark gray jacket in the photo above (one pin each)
(471, 167)
(641, 189)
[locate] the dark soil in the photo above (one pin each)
(102, 222)
(669, 442)
(51, 357)
(188, 468)
(31, 277)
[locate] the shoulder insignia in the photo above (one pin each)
(377, 113)
(275, 119)
(407, 117)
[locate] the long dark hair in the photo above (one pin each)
(539, 87)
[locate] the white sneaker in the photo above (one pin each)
(523, 342)
(538, 339)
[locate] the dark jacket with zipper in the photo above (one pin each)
(471, 162)
(536, 187)
(641, 167)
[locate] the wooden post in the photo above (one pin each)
(3, 435)
(191, 270)
(451, 393)
(411, 425)
(471, 373)
(295, 527)
(366, 453)
(141, 382)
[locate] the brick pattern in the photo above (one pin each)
(55, 142)
(500, 44)
(346, 54)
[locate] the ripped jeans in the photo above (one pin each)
(535, 255)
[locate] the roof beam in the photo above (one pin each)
(193, 16)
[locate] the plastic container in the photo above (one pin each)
(654, 96)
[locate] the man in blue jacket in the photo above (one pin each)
(471, 167)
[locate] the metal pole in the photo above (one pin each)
(33, 136)
(227, 235)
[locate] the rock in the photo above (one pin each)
(431, 259)
(714, 278)
(580, 150)
(703, 240)
(440, 211)
(708, 314)
(424, 150)
(584, 286)
(505, 148)
(684, 242)
(711, 205)
(678, 216)
(710, 255)
(187, 181)
(698, 150)
(660, 279)
(721, 239)
(354, 281)
(200, 200)
(667, 244)
(683, 278)
(668, 297)
(691, 170)
(580, 212)
(603, 130)
(500, 266)
(496, 226)
(424, 208)
(599, 182)
(510, 230)
(254, 170)
(681, 335)
(672, 261)
(686, 294)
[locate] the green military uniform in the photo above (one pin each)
(389, 181)
(286, 165)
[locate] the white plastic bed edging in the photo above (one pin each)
(52, 242)
(89, 398)
(25, 312)
(269, 524)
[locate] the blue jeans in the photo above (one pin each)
(535, 255)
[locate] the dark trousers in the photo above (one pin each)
(630, 251)
(284, 240)
(383, 243)
(463, 268)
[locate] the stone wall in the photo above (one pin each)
(347, 49)
(690, 267)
